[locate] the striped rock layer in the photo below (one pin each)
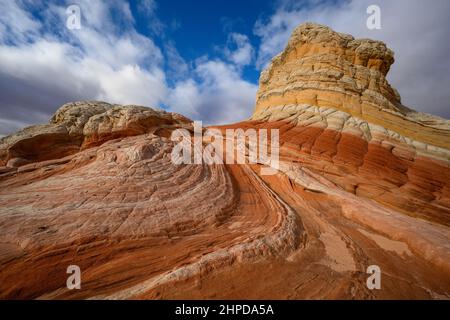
(362, 181)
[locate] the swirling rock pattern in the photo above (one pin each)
(82, 124)
(363, 180)
(125, 214)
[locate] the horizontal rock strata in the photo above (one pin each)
(362, 181)
(324, 68)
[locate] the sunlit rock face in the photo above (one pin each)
(79, 125)
(362, 181)
(324, 68)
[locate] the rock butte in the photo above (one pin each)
(363, 181)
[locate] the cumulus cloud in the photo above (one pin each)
(149, 9)
(416, 30)
(43, 65)
(239, 49)
(219, 95)
(99, 61)
(177, 67)
(16, 25)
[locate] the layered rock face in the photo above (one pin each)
(323, 68)
(120, 209)
(328, 94)
(79, 125)
(362, 181)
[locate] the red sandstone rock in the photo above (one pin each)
(97, 188)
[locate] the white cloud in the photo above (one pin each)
(220, 95)
(186, 98)
(177, 67)
(16, 24)
(239, 50)
(43, 64)
(149, 8)
(416, 30)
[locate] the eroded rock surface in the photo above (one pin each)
(324, 68)
(363, 180)
(79, 125)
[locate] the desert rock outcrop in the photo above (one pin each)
(362, 180)
(324, 68)
(79, 125)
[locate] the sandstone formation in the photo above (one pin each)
(323, 68)
(363, 180)
(79, 125)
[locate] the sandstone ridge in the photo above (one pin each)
(79, 125)
(362, 180)
(323, 68)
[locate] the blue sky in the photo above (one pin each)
(199, 58)
(198, 30)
